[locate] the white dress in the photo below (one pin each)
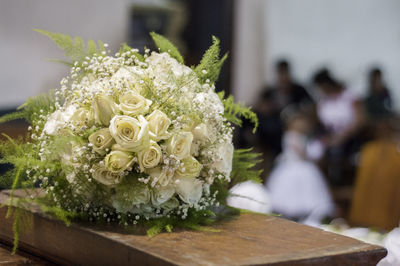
(337, 112)
(250, 196)
(296, 186)
(392, 244)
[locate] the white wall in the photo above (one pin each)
(248, 63)
(347, 36)
(24, 70)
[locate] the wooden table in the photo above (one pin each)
(249, 240)
(21, 258)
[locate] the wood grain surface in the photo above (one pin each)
(21, 258)
(250, 239)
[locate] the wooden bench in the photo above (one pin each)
(250, 239)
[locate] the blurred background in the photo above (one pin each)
(323, 76)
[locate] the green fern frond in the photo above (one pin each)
(166, 46)
(210, 65)
(243, 164)
(41, 104)
(16, 228)
(235, 111)
(74, 48)
(156, 229)
(169, 228)
(12, 116)
(6, 179)
(59, 213)
(125, 48)
(91, 47)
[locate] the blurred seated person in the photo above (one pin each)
(378, 103)
(273, 100)
(342, 116)
(296, 185)
(376, 198)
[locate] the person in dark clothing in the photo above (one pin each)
(285, 92)
(342, 116)
(273, 100)
(378, 103)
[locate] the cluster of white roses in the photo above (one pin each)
(147, 128)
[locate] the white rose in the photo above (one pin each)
(68, 165)
(129, 133)
(104, 108)
(141, 195)
(81, 118)
(171, 204)
(158, 125)
(129, 194)
(101, 140)
(201, 133)
(105, 177)
(162, 194)
(118, 161)
(149, 157)
(160, 176)
(189, 189)
(191, 168)
(132, 103)
(58, 120)
(224, 163)
(179, 145)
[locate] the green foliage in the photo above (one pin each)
(243, 165)
(157, 227)
(166, 101)
(22, 221)
(196, 220)
(223, 190)
(41, 104)
(59, 213)
(13, 152)
(74, 48)
(235, 111)
(16, 228)
(166, 46)
(7, 179)
(210, 65)
(126, 48)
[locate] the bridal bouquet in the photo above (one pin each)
(131, 138)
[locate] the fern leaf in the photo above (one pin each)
(169, 228)
(243, 163)
(210, 65)
(56, 60)
(91, 47)
(74, 48)
(12, 116)
(41, 104)
(16, 229)
(125, 48)
(156, 229)
(7, 179)
(101, 46)
(234, 112)
(166, 46)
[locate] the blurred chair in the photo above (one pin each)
(376, 199)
